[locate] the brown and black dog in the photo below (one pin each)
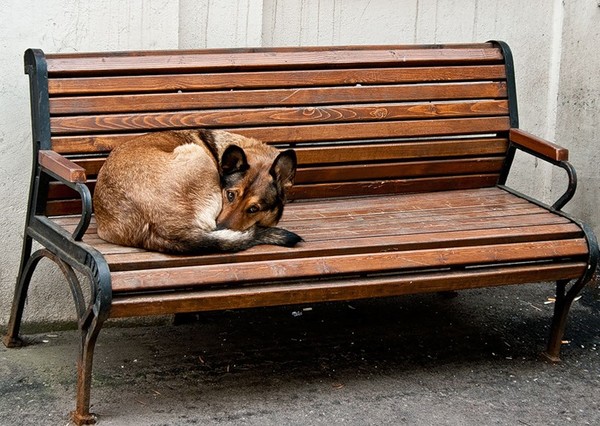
(190, 191)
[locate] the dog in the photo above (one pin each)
(194, 191)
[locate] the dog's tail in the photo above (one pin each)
(227, 240)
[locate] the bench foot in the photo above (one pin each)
(564, 300)
(550, 358)
(83, 419)
(11, 341)
(90, 327)
(28, 265)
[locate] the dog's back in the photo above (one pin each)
(162, 191)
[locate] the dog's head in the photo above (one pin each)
(254, 187)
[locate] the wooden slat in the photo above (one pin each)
(91, 165)
(125, 258)
(164, 62)
(425, 204)
(371, 152)
(311, 133)
(392, 223)
(270, 116)
(357, 172)
(344, 189)
(404, 150)
(256, 80)
(422, 227)
(272, 97)
(323, 267)
(398, 170)
(350, 289)
(378, 130)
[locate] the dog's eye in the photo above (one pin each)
(253, 209)
(230, 196)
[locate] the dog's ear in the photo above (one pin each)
(233, 160)
(283, 169)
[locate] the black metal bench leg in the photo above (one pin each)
(89, 334)
(28, 263)
(559, 320)
(91, 316)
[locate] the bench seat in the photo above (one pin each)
(379, 245)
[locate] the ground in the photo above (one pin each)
(418, 360)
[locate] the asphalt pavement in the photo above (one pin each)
(415, 360)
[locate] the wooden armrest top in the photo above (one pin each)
(61, 166)
(539, 145)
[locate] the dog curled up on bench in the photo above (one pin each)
(194, 191)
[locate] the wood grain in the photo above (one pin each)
(274, 115)
(274, 97)
(61, 166)
(348, 289)
(315, 133)
(538, 145)
(270, 79)
(263, 59)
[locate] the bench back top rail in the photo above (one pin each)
(362, 119)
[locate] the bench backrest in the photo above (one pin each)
(363, 119)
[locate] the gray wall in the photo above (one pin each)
(554, 43)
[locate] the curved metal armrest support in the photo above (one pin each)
(570, 191)
(86, 211)
(73, 176)
(551, 153)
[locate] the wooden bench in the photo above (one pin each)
(404, 152)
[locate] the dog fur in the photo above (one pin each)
(192, 191)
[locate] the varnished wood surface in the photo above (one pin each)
(61, 166)
(266, 79)
(364, 120)
(261, 59)
(273, 115)
(279, 97)
(371, 235)
(350, 289)
(543, 147)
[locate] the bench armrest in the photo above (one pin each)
(538, 146)
(548, 151)
(61, 166)
(73, 176)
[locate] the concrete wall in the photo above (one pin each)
(578, 104)
(553, 43)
